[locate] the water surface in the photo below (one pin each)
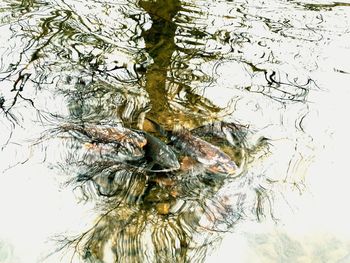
(266, 70)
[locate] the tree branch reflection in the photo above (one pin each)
(164, 197)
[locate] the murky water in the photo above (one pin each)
(168, 130)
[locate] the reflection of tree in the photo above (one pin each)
(157, 217)
(166, 77)
(165, 217)
(58, 49)
(160, 46)
(172, 217)
(177, 41)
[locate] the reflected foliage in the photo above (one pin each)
(169, 169)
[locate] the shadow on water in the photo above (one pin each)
(126, 91)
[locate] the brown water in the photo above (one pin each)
(80, 82)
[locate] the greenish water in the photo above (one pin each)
(174, 122)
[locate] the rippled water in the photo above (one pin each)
(172, 131)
